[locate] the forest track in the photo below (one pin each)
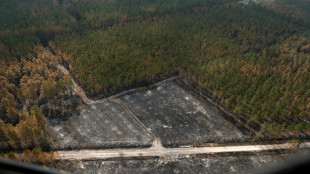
(80, 92)
(159, 151)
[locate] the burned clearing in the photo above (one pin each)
(134, 119)
(174, 114)
(179, 118)
(222, 163)
(105, 125)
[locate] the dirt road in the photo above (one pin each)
(159, 151)
(79, 91)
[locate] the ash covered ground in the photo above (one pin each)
(105, 125)
(168, 111)
(243, 163)
(178, 118)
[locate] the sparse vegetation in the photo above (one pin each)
(11, 155)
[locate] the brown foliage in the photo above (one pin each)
(39, 157)
(28, 133)
(10, 156)
(24, 83)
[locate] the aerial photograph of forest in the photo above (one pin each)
(154, 86)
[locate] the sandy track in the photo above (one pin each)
(159, 151)
(79, 91)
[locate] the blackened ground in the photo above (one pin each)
(105, 125)
(179, 118)
(224, 163)
(166, 111)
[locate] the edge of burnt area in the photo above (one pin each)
(239, 121)
(242, 122)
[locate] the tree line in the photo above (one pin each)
(253, 58)
(32, 89)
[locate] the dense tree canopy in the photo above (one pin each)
(255, 58)
(29, 87)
